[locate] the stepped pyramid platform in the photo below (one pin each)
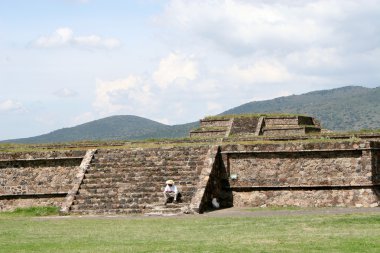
(255, 125)
(289, 125)
(212, 128)
(236, 160)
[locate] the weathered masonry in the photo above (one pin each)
(37, 178)
(241, 161)
(314, 174)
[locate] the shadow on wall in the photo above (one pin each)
(218, 187)
(376, 171)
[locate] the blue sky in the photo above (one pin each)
(66, 62)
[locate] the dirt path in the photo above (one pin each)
(258, 212)
(234, 212)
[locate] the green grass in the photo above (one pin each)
(31, 211)
(149, 143)
(307, 233)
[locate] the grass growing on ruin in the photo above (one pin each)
(31, 211)
(306, 233)
(251, 115)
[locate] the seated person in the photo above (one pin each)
(170, 191)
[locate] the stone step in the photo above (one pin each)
(271, 127)
(146, 164)
(168, 209)
(118, 183)
(118, 194)
(109, 205)
(106, 211)
(146, 186)
(131, 169)
(179, 179)
(128, 183)
(161, 152)
(158, 176)
(115, 200)
(101, 194)
(120, 173)
(151, 155)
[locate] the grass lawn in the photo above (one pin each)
(304, 233)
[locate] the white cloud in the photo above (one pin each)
(163, 121)
(261, 72)
(96, 41)
(10, 105)
(214, 107)
(271, 96)
(83, 118)
(130, 94)
(65, 93)
(240, 27)
(175, 67)
(65, 37)
(60, 37)
(316, 58)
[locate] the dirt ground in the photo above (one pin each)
(262, 212)
(234, 212)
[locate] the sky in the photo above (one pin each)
(67, 62)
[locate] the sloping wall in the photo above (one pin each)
(313, 174)
(41, 179)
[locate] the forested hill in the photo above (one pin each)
(122, 127)
(347, 108)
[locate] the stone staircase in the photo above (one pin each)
(128, 181)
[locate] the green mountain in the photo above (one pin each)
(126, 127)
(346, 108)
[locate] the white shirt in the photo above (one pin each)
(172, 188)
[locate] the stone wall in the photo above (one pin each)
(215, 123)
(206, 134)
(301, 168)
(7, 204)
(38, 178)
(289, 120)
(303, 174)
(308, 198)
(376, 166)
(284, 132)
(244, 125)
(41, 154)
(212, 183)
(42, 162)
(41, 180)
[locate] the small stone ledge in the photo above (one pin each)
(294, 151)
(34, 195)
(211, 120)
(300, 187)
